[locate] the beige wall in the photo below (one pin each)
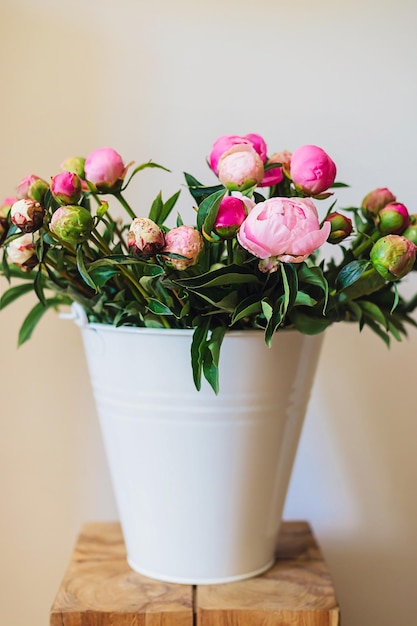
(162, 80)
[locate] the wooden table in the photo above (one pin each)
(99, 589)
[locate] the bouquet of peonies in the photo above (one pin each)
(250, 262)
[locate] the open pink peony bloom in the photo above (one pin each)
(105, 169)
(287, 228)
(312, 170)
(225, 142)
(187, 242)
(240, 168)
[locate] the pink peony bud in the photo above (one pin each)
(240, 168)
(71, 224)
(66, 188)
(27, 215)
(104, 168)
(392, 219)
(375, 200)
(393, 256)
(312, 170)
(32, 187)
(22, 251)
(232, 211)
(225, 142)
(340, 227)
(145, 238)
(75, 165)
(287, 228)
(187, 242)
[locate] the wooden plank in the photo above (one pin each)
(296, 591)
(100, 589)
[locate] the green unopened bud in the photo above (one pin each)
(411, 231)
(393, 219)
(393, 256)
(376, 200)
(72, 224)
(75, 165)
(341, 227)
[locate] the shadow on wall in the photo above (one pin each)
(355, 473)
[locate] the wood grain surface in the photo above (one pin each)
(99, 589)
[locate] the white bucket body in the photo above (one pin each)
(200, 480)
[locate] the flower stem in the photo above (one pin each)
(124, 204)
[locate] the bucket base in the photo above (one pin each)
(199, 581)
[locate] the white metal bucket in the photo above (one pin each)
(200, 480)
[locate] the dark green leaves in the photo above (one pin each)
(205, 354)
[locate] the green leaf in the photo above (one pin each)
(38, 285)
(247, 307)
(83, 270)
(198, 190)
(14, 293)
(351, 273)
(308, 324)
(211, 357)
(143, 166)
(157, 307)
(197, 351)
(207, 211)
(290, 282)
(304, 299)
(314, 276)
(35, 314)
(373, 311)
(101, 274)
(167, 207)
(230, 275)
(156, 208)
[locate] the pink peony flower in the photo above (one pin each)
(104, 168)
(22, 251)
(393, 256)
(145, 238)
(232, 211)
(312, 170)
(187, 242)
(240, 168)
(27, 215)
(66, 188)
(393, 219)
(287, 228)
(375, 200)
(225, 142)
